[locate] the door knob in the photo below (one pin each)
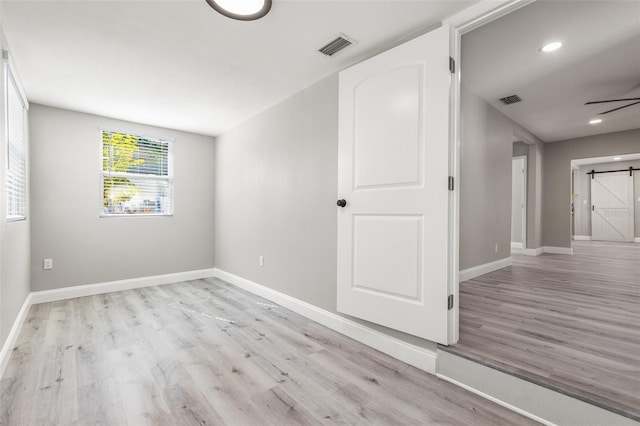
(342, 203)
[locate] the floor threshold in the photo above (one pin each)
(534, 400)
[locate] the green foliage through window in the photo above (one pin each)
(135, 175)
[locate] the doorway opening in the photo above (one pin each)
(564, 320)
(606, 198)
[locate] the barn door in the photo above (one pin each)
(393, 188)
(612, 207)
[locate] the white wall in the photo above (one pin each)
(535, 194)
(14, 240)
(276, 188)
(65, 187)
(486, 150)
(485, 182)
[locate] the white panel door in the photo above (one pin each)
(393, 173)
(612, 207)
(518, 203)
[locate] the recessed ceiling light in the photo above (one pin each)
(550, 47)
(595, 121)
(617, 158)
(245, 10)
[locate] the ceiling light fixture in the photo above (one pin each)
(242, 10)
(551, 47)
(595, 121)
(617, 158)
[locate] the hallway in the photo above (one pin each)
(569, 323)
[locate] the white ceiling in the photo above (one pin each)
(600, 59)
(600, 160)
(181, 65)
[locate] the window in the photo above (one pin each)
(137, 176)
(16, 176)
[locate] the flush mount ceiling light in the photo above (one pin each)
(242, 10)
(595, 121)
(551, 47)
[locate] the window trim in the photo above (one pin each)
(170, 178)
(11, 78)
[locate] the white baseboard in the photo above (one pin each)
(588, 238)
(416, 356)
(515, 245)
(558, 250)
(548, 249)
(12, 338)
(476, 271)
(111, 286)
(533, 252)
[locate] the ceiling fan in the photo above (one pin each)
(634, 101)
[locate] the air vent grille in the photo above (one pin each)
(510, 99)
(335, 46)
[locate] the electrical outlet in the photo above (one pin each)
(496, 248)
(261, 260)
(48, 264)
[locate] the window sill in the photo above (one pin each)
(16, 219)
(137, 215)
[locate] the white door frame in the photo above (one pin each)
(467, 20)
(525, 196)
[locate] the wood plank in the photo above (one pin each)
(205, 352)
(571, 323)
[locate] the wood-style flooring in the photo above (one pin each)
(207, 353)
(570, 323)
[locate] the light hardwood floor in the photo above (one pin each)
(570, 323)
(204, 352)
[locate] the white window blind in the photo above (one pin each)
(137, 177)
(16, 176)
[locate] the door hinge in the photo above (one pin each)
(450, 302)
(452, 65)
(450, 183)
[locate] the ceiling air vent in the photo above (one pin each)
(336, 45)
(510, 99)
